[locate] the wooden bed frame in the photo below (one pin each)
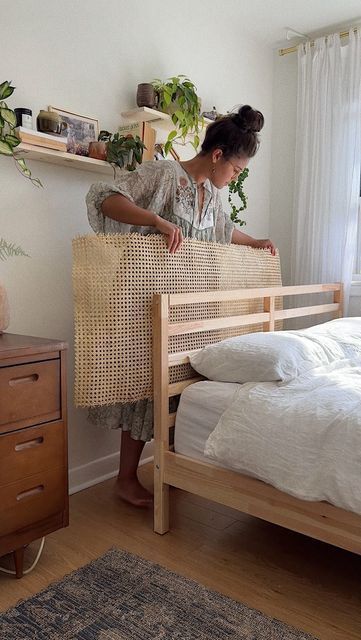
(319, 520)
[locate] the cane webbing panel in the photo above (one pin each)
(115, 277)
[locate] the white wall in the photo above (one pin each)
(88, 56)
(283, 156)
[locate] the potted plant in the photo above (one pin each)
(236, 187)
(178, 97)
(9, 141)
(6, 251)
(124, 152)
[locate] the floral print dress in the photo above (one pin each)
(165, 188)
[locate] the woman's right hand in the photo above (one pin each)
(172, 233)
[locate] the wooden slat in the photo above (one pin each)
(161, 411)
(319, 520)
(246, 294)
(338, 298)
(171, 419)
(176, 388)
(181, 328)
(269, 307)
(182, 357)
(306, 311)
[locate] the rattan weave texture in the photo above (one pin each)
(114, 279)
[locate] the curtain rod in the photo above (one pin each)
(342, 34)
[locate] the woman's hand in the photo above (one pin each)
(172, 233)
(238, 237)
(265, 244)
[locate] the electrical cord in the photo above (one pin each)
(13, 573)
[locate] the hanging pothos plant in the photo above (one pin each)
(9, 141)
(236, 187)
(178, 97)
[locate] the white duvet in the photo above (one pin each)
(303, 437)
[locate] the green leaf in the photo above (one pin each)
(167, 99)
(7, 250)
(36, 182)
(5, 148)
(167, 147)
(9, 116)
(6, 90)
(23, 167)
(13, 141)
(172, 135)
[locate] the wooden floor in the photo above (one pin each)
(306, 583)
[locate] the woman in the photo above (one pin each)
(177, 199)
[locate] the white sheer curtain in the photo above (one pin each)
(328, 148)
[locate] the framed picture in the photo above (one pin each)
(80, 131)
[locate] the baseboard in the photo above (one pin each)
(91, 473)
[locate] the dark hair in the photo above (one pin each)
(235, 134)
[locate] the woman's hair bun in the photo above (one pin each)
(248, 120)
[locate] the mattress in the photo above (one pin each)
(302, 437)
(200, 408)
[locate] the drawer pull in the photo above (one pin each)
(33, 378)
(29, 443)
(30, 492)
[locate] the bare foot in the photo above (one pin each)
(130, 490)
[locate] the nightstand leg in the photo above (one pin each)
(19, 561)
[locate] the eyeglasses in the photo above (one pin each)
(236, 169)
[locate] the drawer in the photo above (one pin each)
(30, 394)
(28, 451)
(28, 501)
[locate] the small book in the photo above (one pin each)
(131, 128)
(39, 139)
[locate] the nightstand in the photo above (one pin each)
(33, 442)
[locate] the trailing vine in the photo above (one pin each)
(236, 187)
(8, 140)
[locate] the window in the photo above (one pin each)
(357, 269)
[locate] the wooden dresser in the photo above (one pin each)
(33, 442)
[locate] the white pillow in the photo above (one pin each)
(265, 357)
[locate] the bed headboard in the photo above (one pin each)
(115, 277)
(163, 330)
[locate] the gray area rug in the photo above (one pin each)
(120, 596)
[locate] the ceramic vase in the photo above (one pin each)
(146, 95)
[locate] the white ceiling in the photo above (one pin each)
(267, 20)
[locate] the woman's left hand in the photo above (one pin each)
(265, 244)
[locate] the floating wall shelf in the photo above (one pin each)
(145, 114)
(64, 159)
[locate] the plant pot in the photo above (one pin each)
(146, 95)
(98, 150)
(4, 309)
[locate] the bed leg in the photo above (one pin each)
(161, 503)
